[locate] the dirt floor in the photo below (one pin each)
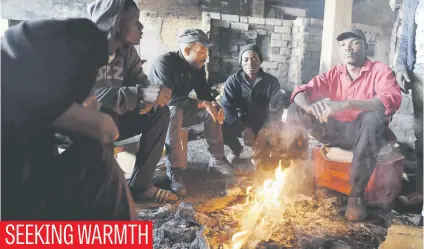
(203, 185)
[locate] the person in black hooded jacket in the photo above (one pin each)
(118, 87)
(48, 69)
(252, 100)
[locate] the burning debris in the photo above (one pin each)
(260, 216)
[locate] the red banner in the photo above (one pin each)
(76, 234)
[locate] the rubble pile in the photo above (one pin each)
(303, 223)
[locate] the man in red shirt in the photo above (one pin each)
(349, 107)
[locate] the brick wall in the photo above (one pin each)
(171, 8)
(230, 32)
(306, 51)
(291, 48)
(159, 34)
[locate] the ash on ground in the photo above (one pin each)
(304, 222)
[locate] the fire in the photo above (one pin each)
(265, 197)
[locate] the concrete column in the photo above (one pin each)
(4, 25)
(337, 18)
(258, 8)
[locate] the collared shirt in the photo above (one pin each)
(375, 79)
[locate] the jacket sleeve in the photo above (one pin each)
(276, 102)
(202, 88)
(228, 102)
(128, 96)
(161, 73)
(401, 61)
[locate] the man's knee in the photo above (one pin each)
(230, 129)
(373, 119)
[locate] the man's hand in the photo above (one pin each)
(332, 107)
(108, 132)
(156, 94)
(91, 103)
(165, 95)
(248, 136)
(316, 109)
(210, 107)
(403, 80)
(325, 108)
(146, 108)
(88, 122)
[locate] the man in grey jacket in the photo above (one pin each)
(119, 88)
(409, 75)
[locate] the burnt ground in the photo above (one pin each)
(203, 185)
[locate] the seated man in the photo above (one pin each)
(184, 71)
(348, 107)
(48, 69)
(118, 88)
(252, 99)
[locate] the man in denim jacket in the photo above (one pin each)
(409, 75)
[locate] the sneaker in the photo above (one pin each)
(234, 157)
(356, 209)
(177, 184)
(411, 199)
(221, 165)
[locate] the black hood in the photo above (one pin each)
(47, 65)
(106, 15)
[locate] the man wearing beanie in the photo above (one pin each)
(349, 107)
(252, 100)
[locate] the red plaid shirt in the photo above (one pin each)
(375, 79)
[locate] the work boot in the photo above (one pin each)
(221, 165)
(356, 208)
(234, 157)
(177, 184)
(411, 199)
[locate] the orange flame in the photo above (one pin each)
(266, 196)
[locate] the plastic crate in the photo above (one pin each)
(384, 186)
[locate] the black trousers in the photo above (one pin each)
(83, 183)
(365, 136)
(153, 127)
(232, 132)
(417, 100)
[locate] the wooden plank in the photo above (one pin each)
(219, 203)
(405, 237)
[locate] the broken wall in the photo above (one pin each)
(291, 48)
(159, 34)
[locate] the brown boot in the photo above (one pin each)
(356, 208)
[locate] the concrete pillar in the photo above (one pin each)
(337, 18)
(258, 8)
(4, 25)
